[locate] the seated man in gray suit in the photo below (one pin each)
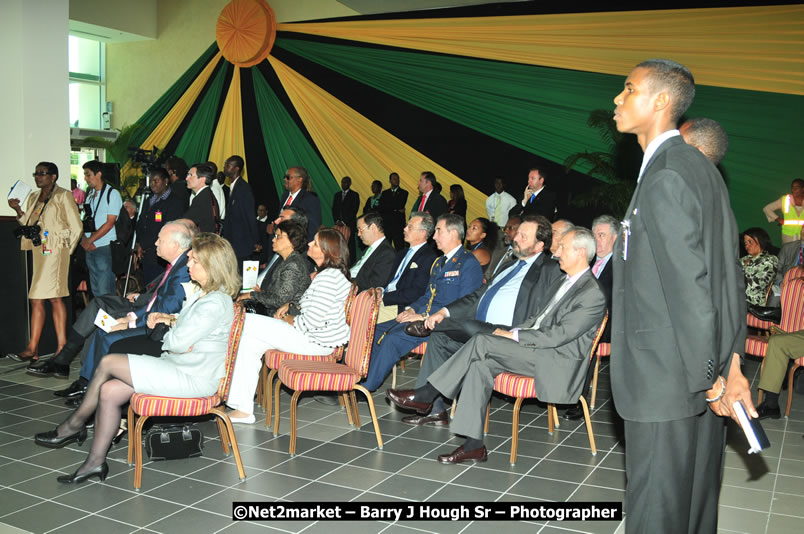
(552, 346)
(512, 296)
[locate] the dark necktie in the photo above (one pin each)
(488, 296)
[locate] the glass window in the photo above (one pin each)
(87, 90)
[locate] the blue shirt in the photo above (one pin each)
(501, 309)
(101, 207)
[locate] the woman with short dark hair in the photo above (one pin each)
(759, 265)
(316, 326)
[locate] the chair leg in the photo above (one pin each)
(393, 377)
(267, 397)
(276, 408)
(594, 381)
(344, 400)
(488, 413)
(454, 407)
(228, 428)
(588, 421)
(515, 429)
(261, 387)
(555, 417)
(374, 421)
(294, 401)
(130, 441)
(402, 366)
(224, 435)
(790, 377)
(137, 437)
(355, 410)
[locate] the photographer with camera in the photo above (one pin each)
(102, 207)
(50, 228)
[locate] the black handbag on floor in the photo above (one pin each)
(172, 442)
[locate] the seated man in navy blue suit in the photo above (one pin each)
(452, 276)
(411, 268)
(164, 294)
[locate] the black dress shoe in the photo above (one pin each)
(51, 439)
(101, 471)
(404, 399)
(48, 368)
(17, 357)
(766, 412)
(459, 455)
(574, 414)
(434, 419)
(79, 387)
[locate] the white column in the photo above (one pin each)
(33, 91)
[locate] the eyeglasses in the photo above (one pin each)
(277, 236)
(40, 173)
(289, 176)
(361, 229)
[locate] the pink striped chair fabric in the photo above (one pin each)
(142, 407)
(302, 376)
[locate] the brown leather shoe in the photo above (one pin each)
(435, 419)
(404, 399)
(459, 455)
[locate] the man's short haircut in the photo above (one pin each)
(666, 74)
(568, 225)
(214, 167)
(374, 218)
(500, 178)
(130, 201)
(94, 166)
(541, 173)
(237, 161)
(583, 238)
(180, 234)
(709, 136)
(795, 181)
(348, 179)
(178, 166)
(610, 220)
(430, 177)
(453, 221)
(159, 172)
(298, 215)
(544, 229)
(202, 170)
(51, 169)
(427, 223)
(394, 174)
(301, 171)
(191, 227)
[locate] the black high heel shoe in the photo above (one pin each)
(51, 439)
(101, 471)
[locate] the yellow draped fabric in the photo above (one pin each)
(352, 145)
(165, 130)
(228, 140)
(756, 48)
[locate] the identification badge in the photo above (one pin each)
(47, 251)
(158, 216)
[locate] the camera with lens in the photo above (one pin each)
(31, 232)
(89, 219)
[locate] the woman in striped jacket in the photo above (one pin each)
(316, 327)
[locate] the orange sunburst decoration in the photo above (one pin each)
(245, 31)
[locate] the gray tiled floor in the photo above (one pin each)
(336, 463)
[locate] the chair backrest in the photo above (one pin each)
(793, 272)
(364, 319)
(793, 305)
(598, 335)
(347, 308)
(231, 349)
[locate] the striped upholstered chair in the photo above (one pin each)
(307, 375)
(272, 359)
(759, 324)
(522, 387)
(142, 407)
(603, 350)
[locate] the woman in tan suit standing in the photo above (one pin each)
(53, 209)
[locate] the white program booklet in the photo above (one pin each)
(251, 269)
(20, 190)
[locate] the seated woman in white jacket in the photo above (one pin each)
(193, 359)
(316, 327)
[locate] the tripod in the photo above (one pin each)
(144, 192)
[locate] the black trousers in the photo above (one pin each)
(137, 345)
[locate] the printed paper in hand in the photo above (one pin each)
(251, 269)
(20, 191)
(104, 321)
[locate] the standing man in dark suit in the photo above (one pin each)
(345, 204)
(536, 200)
(177, 174)
(203, 210)
(240, 228)
(298, 197)
(392, 207)
(411, 268)
(374, 268)
(452, 276)
(429, 200)
(678, 305)
(161, 207)
(512, 296)
(552, 346)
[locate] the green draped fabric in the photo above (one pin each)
(151, 118)
(194, 144)
(286, 146)
(544, 111)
